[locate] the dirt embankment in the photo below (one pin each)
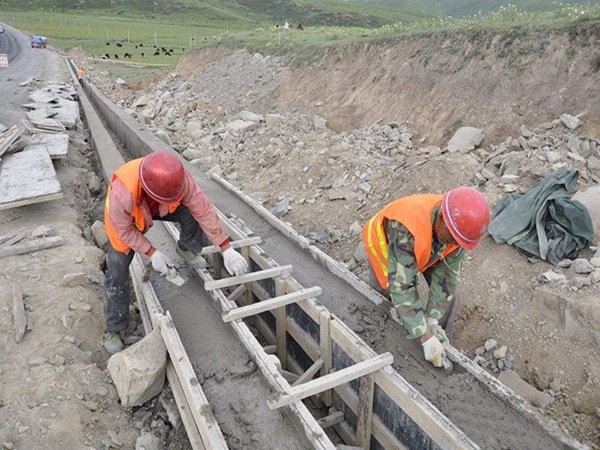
(496, 82)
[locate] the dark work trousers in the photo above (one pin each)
(447, 320)
(117, 282)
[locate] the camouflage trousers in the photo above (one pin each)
(447, 320)
(117, 284)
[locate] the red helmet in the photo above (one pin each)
(466, 214)
(163, 177)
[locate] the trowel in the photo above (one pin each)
(447, 364)
(175, 278)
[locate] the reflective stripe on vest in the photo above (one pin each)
(129, 176)
(414, 212)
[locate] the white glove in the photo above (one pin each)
(234, 262)
(433, 350)
(162, 264)
(437, 330)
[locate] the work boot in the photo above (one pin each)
(193, 259)
(112, 342)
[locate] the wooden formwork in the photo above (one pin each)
(309, 353)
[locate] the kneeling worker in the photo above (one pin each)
(425, 233)
(156, 187)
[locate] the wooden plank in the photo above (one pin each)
(365, 412)
(329, 381)
(267, 305)
(18, 308)
(191, 429)
(28, 177)
(331, 419)
(310, 373)
(31, 246)
(207, 424)
(15, 239)
(240, 243)
(211, 285)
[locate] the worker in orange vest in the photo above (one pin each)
(425, 233)
(156, 187)
(80, 75)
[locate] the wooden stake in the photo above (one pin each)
(365, 412)
(19, 314)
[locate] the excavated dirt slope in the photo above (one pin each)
(510, 85)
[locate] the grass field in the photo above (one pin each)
(144, 39)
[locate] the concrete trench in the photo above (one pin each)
(492, 417)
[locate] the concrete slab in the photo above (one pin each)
(28, 177)
(56, 145)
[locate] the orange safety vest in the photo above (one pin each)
(129, 175)
(80, 73)
(414, 212)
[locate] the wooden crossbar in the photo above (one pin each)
(211, 249)
(310, 373)
(267, 305)
(236, 293)
(331, 419)
(212, 285)
(332, 380)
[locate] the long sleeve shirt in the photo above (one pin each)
(121, 205)
(441, 277)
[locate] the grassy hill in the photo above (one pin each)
(246, 14)
(460, 8)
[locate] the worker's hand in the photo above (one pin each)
(433, 351)
(234, 262)
(162, 264)
(437, 330)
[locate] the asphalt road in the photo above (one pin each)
(24, 63)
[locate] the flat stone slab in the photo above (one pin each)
(28, 177)
(56, 145)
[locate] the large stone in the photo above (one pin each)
(520, 387)
(138, 372)
(590, 198)
(99, 234)
(465, 139)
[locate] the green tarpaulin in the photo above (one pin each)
(544, 223)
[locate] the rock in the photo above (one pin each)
(520, 387)
(75, 279)
(99, 234)
(148, 441)
(501, 352)
(569, 121)
(138, 372)
(582, 265)
(490, 344)
(465, 139)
